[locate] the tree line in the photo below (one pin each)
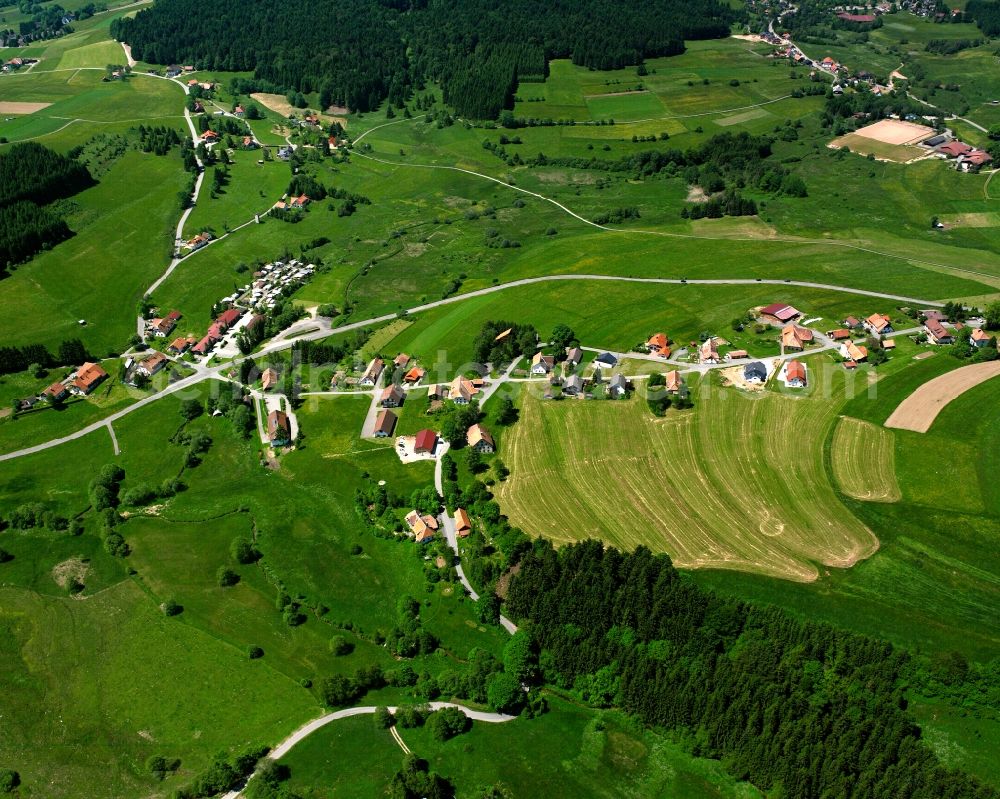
(360, 52)
(796, 707)
(31, 177)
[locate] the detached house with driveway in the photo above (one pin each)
(88, 377)
(938, 333)
(372, 373)
(878, 325)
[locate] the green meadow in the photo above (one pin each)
(567, 750)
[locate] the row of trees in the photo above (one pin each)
(359, 52)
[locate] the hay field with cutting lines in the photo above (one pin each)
(736, 483)
(863, 459)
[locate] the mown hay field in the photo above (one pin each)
(736, 483)
(864, 462)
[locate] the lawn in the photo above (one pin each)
(718, 486)
(135, 207)
(568, 751)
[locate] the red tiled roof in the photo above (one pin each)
(425, 441)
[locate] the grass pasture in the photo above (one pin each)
(863, 461)
(719, 486)
(567, 751)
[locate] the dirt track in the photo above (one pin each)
(919, 410)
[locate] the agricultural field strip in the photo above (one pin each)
(310, 727)
(624, 231)
(918, 411)
(863, 458)
(324, 330)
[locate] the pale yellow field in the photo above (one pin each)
(736, 483)
(864, 461)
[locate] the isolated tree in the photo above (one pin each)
(227, 577)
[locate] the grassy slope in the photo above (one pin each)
(568, 751)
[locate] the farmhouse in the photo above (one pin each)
(372, 373)
(853, 352)
(55, 392)
(979, 338)
(209, 136)
(707, 353)
(878, 325)
(462, 390)
(392, 396)
(574, 355)
(279, 432)
(839, 334)
(542, 364)
(755, 372)
(779, 312)
(735, 355)
(794, 337)
(937, 333)
(299, 202)
(954, 149)
(851, 323)
(425, 442)
(88, 377)
(573, 387)
(153, 364)
(480, 439)
(418, 525)
(414, 376)
(269, 379)
(657, 344)
(795, 374)
(618, 386)
(972, 161)
(161, 328)
(385, 423)
(674, 382)
(401, 361)
(605, 361)
(199, 241)
(182, 344)
(462, 525)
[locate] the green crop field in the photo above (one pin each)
(863, 461)
(721, 486)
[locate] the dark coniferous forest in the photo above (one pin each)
(792, 706)
(359, 52)
(31, 176)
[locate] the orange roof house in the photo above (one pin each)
(794, 337)
(795, 373)
(88, 377)
(708, 353)
(414, 375)
(658, 343)
(877, 324)
(674, 381)
(853, 352)
(462, 524)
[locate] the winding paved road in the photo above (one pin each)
(309, 728)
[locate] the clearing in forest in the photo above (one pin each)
(864, 461)
(736, 483)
